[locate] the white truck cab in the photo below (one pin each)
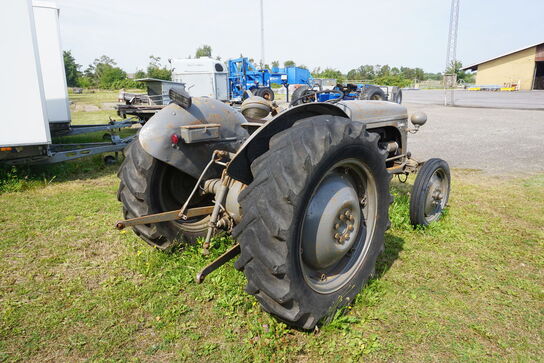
(203, 77)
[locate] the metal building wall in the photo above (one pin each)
(512, 68)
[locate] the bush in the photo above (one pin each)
(127, 84)
(390, 80)
(110, 75)
(85, 82)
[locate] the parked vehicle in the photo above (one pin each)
(305, 194)
(207, 77)
(34, 99)
(307, 93)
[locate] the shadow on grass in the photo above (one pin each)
(24, 177)
(393, 247)
(400, 219)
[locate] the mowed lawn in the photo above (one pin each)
(72, 288)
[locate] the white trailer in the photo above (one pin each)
(34, 98)
(203, 77)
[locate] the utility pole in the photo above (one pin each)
(262, 35)
(451, 79)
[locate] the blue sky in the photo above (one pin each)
(339, 34)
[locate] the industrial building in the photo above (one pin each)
(522, 68)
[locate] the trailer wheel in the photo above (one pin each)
(374, 94)
(298, 96)
(266, 93)
(398, 99)
(314, 219)
(150, 186)
(430, 192)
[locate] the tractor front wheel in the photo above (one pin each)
(314, 219)
(430, 192)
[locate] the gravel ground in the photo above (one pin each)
(515, 100)
(496, 141)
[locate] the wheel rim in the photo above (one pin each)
(173, 190)
(338, 226)
(437, 195)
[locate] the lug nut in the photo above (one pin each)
(351, 217)
(336, 236)
(337, 225)
(347, 213)
(350, 227)
(342, 217)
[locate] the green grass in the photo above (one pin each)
(73, 288)
(470, 288)
(96, 98)
(94, 117)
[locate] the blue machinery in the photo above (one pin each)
(243, 75)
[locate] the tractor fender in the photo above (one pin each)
(257, 143)
(155, 135)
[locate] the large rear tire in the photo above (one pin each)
(149, 186)
(314, 219)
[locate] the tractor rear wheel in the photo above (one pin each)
(149, 186)
(314, 219)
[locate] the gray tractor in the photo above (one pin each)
(304, 191)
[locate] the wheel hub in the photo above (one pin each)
(331, 223)
(435, 196)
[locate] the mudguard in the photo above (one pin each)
(192, 158)
(257, 144)
(380, 113)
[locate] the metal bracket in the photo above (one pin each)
(218, 262)
(173, 215)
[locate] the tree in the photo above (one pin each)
(85, 82)
(156, 70)
(204, 51)
(71, 68)
(455, 68)
(384, 71)
(102, 64)
(139, 74)
(353, 74)
(275, 64)
(434, 76)
(392, 80)
(329, 73)
(110, 75)
(289, 63)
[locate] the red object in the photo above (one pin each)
(174, 138)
